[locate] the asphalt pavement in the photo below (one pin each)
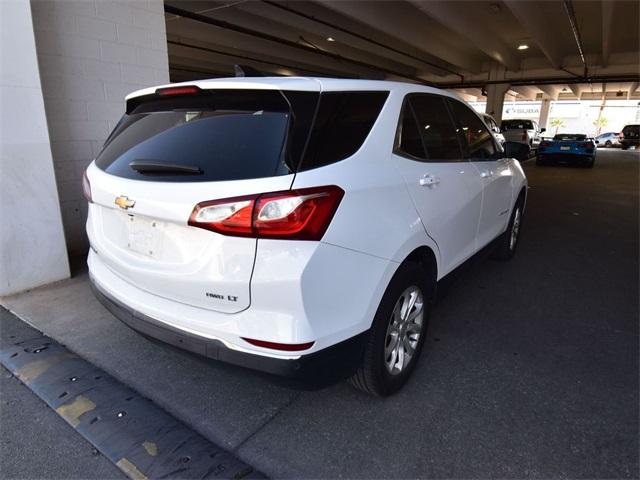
(530, 368)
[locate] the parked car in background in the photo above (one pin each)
(219, 225)
(630, 136)
(574, 148)
(608, 140)
(494, 128)
(522, 131)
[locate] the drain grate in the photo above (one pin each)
(139, 437)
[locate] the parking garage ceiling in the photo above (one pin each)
(556, 49)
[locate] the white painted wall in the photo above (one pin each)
(32, 244)
(91, 54)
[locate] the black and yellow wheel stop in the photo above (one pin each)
(143, 440)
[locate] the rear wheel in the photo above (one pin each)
(397, 334)
(508, 241)
(608, 144)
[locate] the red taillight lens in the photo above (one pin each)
(86, 187)
(586, 145)
(545, 144)
(286, 347)
(188, 90)
(302, 214)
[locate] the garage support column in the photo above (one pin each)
(545, 106)
(495, 100)
(32, 243)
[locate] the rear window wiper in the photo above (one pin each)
(150, 166)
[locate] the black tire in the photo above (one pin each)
(624, 147)
(373, 375)
(505, 249)
(590, 163)
(540, 161)
(608, 144)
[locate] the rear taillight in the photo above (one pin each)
(586, 145)
(545, 144)
(86, 187)
(302, 214)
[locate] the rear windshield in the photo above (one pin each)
(565, 137)
(217, 135)
(221, 135)
(517, 125)
(631, 131)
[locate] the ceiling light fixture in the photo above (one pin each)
(331, 39)
(523, 46)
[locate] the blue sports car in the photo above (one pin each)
(567, 148)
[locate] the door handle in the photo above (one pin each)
(486, 174)
(429, 180)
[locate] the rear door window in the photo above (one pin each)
(408, 138)
(436, 127)
(342, 124)
(473, 133)
(516, 125)
(213, 136)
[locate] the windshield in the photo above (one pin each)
(517, 125)
(217, 136)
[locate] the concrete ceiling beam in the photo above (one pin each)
(404, 22)
(535, 22)
(482, 37)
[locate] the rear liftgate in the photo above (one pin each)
(128, 429)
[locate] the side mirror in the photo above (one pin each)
(517, 150)
(597, 141)
(542, 130)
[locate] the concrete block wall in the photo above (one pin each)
(92, 53)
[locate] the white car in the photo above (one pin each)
(494, 128)
(295, 225)
(523, 131)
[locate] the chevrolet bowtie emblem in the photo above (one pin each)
(124, 202)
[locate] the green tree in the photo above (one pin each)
(599, 123)
(557, 122)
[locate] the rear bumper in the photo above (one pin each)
(337, 361)
(566, 157)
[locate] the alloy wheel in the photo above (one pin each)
(404, 330)
(515, 228)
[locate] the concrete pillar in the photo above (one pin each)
(545, 106)
(91, 53)
(495, 100)
(32, 243)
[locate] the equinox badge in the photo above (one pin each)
(124, 202)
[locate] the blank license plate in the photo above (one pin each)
(144, 236)
(565, 148)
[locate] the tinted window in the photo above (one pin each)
(222, 135)
(569, 136)
(437, 129)
(517, 125)
(342, 124)
(631, 131)
(473, 132)
(409, 140)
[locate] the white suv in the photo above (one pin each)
(295, 225)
